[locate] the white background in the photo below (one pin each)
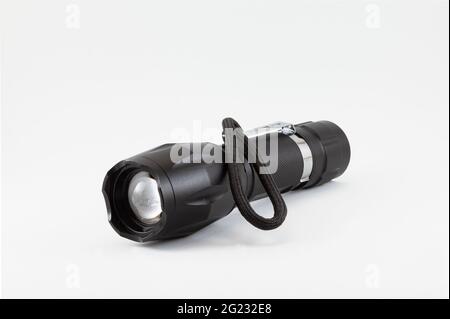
(88, 83)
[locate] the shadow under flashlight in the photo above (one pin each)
(150, 197)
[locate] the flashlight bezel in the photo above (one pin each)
(120, 213)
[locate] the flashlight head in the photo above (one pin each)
(150, 196)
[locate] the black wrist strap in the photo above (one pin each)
(232, 141)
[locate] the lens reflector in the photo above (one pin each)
(144, 198)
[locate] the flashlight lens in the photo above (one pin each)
(144, 198)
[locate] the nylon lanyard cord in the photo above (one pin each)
(234, 133)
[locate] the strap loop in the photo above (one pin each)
(267, 180)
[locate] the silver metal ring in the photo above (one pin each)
(288, 130)
(307, 157)
(277, 127)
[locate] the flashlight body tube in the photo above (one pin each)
(194, 194)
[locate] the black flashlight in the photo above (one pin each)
(151, 196)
